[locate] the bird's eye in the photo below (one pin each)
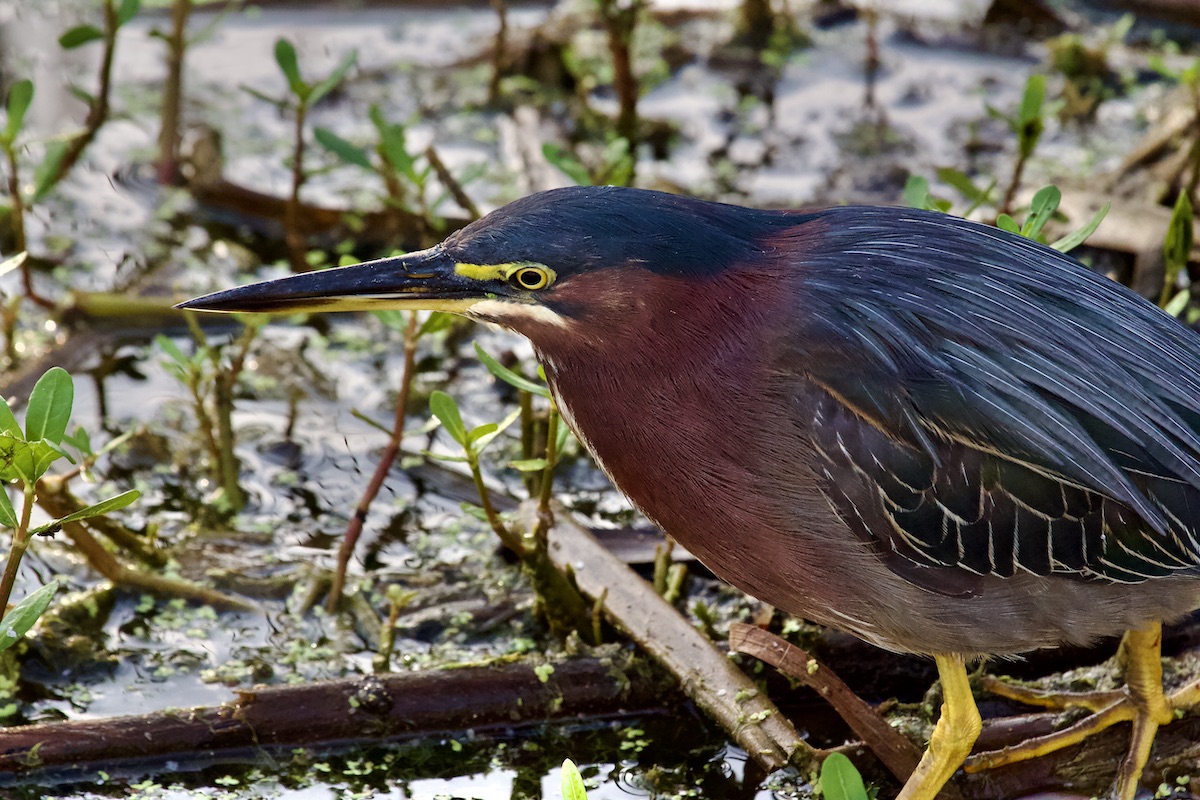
(530, 278)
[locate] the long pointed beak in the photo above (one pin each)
(424, 280)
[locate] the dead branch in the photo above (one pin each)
(705, 674)
(898, 754)
(345, 711)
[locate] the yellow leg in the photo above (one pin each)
(953, 736)
(1143, 679)
(1141, 702)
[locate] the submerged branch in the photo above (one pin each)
(329, 713)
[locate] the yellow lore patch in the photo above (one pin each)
(528, 275)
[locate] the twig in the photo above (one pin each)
(708, 677)
(293, 236)
(451, 183)
(386, 459)
(620, 22)
(98, 107)
(898, 754)
(499, 51)
(475, 698)
(168, 136)
(129, 578)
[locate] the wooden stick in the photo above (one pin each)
(706, 674)
(339, 712)
(898, 754)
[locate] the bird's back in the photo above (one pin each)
(989, 405)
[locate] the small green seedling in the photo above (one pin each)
(83, 34)
(306, 93)
(572, 782)
(840, 779)
(26, 454)
(473, 442)
(1041, 210)
(1177, 246)
(405, 175)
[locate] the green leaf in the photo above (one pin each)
(916, 189)
(479, 441)
(80, 440)
(96, 510)
(393, 318)
(350, 153)
(393, 145)
(619, 163)
(1073, 240)
(567, 163)
(1181, 233)
(840, 780)
(437, 322)
(335, 78)
(1029, 119)
(446, 410)
(528, 464)
(508, 376)
(472, 510)
(441, 457)
(8, 515)
(563, 434)
(285, 57)
(1006, 223)
(8, 421)
(572, 782)
(24, 615)
(83, 96)
(958, 180)
(168, 346)
(79, 35)
(1032, 100)
(1159, 65)
(19, 98)
(1041, 209)
(1178, 303)
(25, 461)
(985, 195)
(47, 172)
(49, 408)
(127, 11)
(10, 264)
(479, 432)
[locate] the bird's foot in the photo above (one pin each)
(1142, 702)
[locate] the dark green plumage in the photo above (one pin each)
(1028, 414)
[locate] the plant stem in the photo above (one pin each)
(224, 381)
(18, 210)
(510, 540)
(19, 241)
(1014, 183)
(386, 459)
(545, 512)
(8, 323)
(168, 135)
(19, 545)
(499, 51)
(98, 108)
(203, 419)
(291, 215)
(452, 185)
(619, 23)
(525, 403)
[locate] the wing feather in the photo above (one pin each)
(987, 404)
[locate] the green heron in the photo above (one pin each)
(941, 437)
